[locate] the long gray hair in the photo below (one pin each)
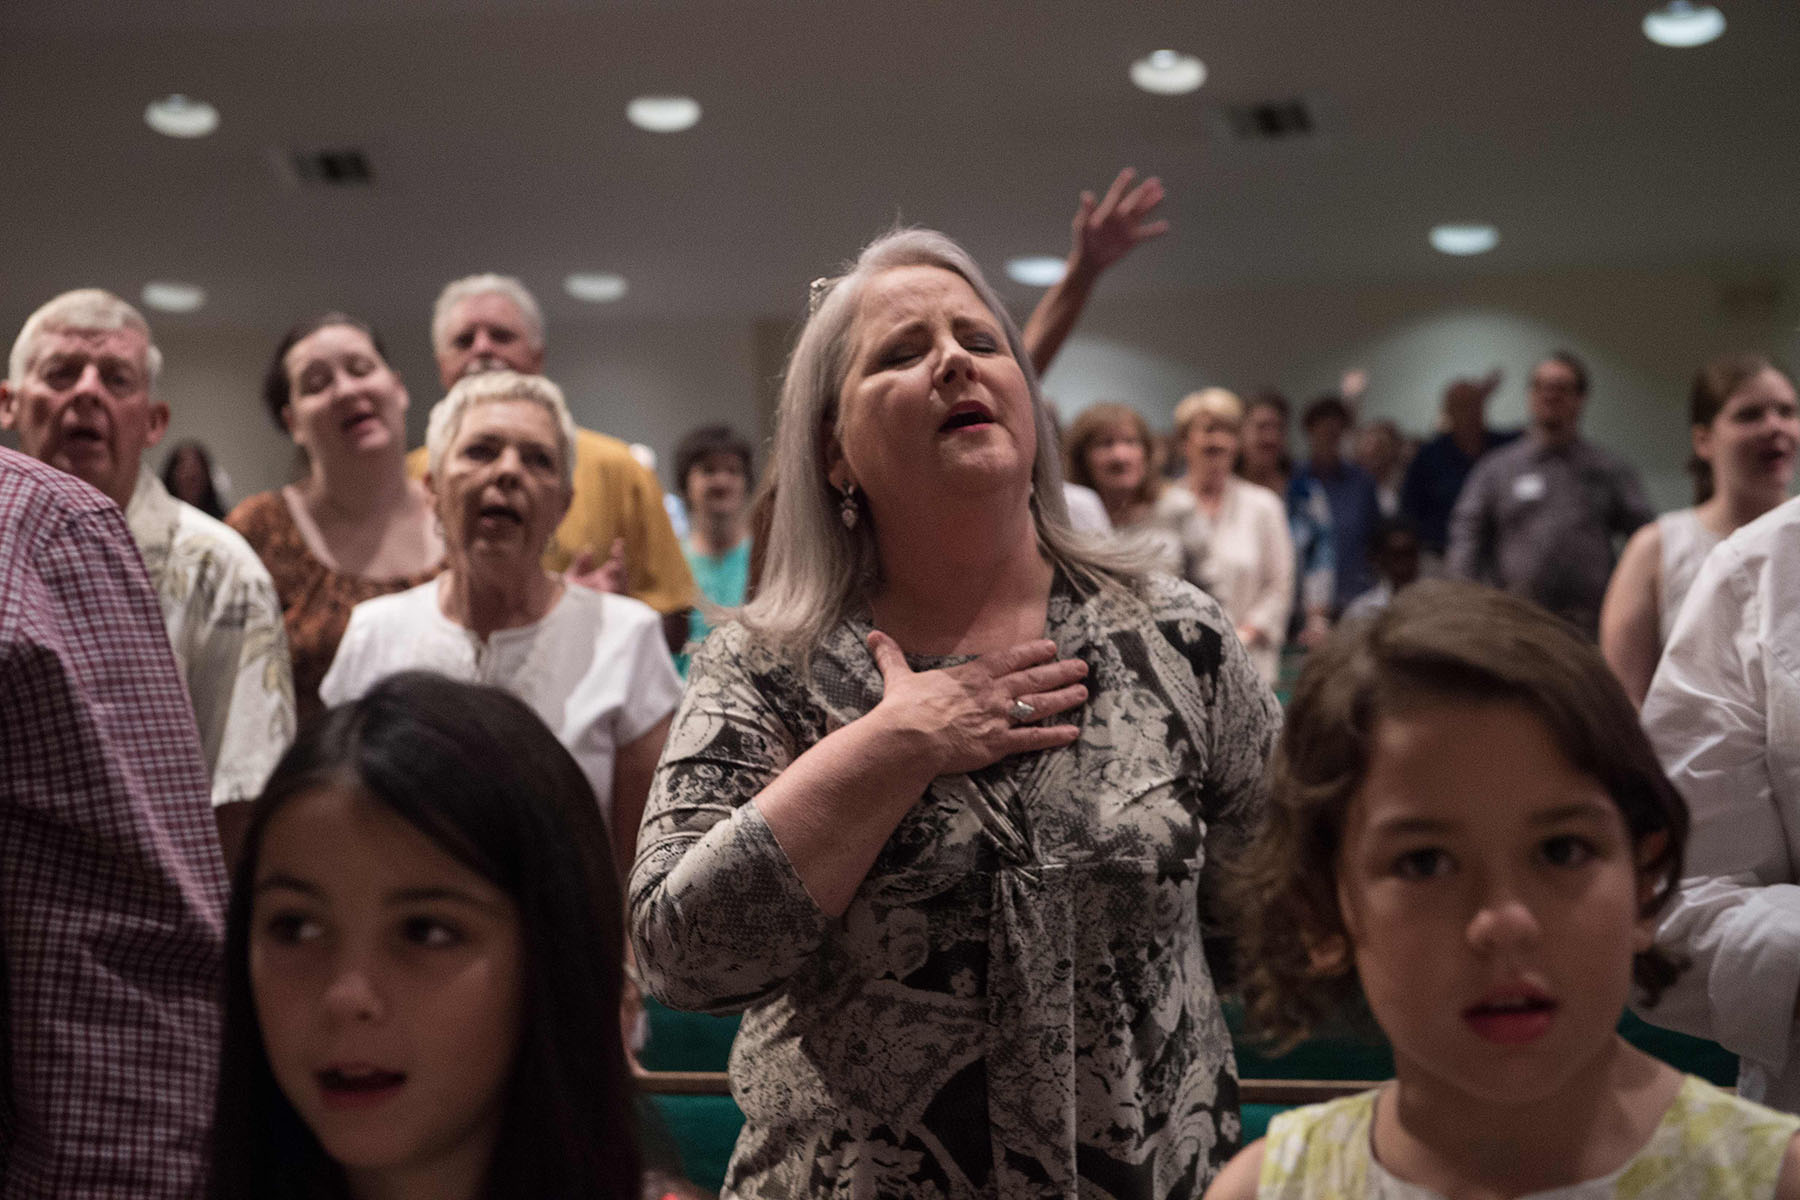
(816, 570)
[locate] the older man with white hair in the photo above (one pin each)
(80, 393)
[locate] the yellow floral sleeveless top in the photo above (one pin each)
(1709, 1143)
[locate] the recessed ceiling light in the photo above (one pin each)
(181, 116)
(596, 287)
(1465, 238)
(1681, 23)
(663, 114)
(166, 295)
(1036, 270)
(1168, 72)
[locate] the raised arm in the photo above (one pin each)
(1103, 232)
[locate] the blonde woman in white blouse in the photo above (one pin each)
(1237, 530)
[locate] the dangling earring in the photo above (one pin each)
(847, 506)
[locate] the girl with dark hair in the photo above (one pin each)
(1470, 840)
(422, 952)
(353, 526)
(1745, 424)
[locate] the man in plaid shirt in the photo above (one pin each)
(111, 884)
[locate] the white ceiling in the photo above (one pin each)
(498, 141)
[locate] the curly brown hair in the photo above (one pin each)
(1438, 640)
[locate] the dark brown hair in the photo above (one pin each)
(277, 391)
(475, 770)
(1713, 385)
(1438, 640)
(1098, 420)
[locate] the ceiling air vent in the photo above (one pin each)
(1271, 121)
(332, 168)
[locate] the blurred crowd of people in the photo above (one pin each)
(1292, 548)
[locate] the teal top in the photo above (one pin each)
(723, 580)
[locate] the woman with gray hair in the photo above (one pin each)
(593, 666)
(941, 807)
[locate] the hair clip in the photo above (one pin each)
(817, 290)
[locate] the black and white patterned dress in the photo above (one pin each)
(1016, 1003)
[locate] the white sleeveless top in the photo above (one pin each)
(1685, 545)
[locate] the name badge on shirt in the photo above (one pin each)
(1528, 488)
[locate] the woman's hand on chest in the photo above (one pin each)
(963, 718)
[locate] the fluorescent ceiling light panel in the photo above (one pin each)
(1681, 24)
(181, 116)
(166, 295)
(1036, 270)
(663, 114)
(596, 287)
(1465, 238)
(1168, 72)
